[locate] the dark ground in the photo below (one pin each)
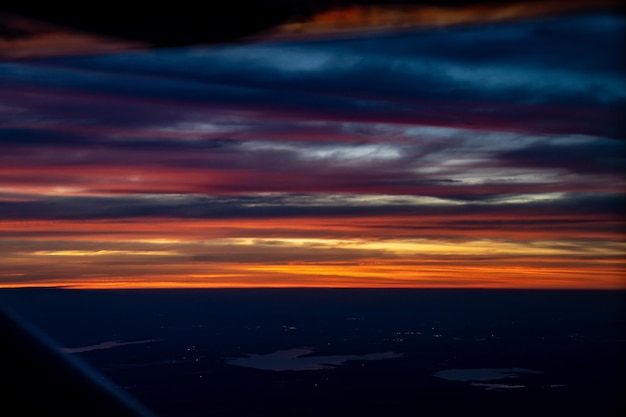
(576, 338)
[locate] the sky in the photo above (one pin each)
(487, 155)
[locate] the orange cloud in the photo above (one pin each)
(305, 252)
(353, 19)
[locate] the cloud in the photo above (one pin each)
(280, 206)
(445, 77)
(588, 157)
(458, 156)
(385, 65)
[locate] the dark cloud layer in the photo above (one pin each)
(514, 74)
(593, 157)
(203, 207)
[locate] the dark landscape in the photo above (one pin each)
(380, 352)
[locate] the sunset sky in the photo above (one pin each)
(484, 155)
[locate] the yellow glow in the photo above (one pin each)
(434, 247)
(102, 253)
(158, 241)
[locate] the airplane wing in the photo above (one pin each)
(39, 379)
